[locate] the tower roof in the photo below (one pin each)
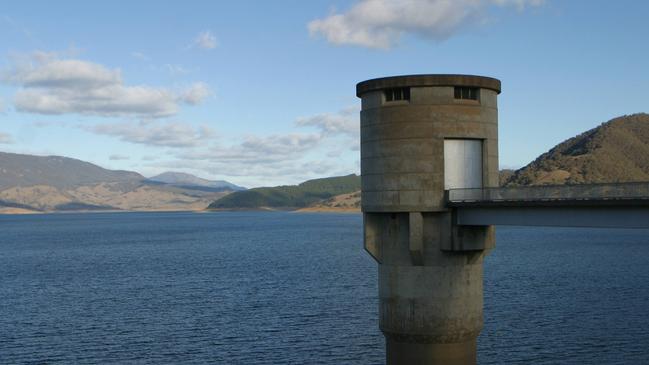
(428, 80)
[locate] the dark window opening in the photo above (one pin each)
(401, 93)
(468, 93)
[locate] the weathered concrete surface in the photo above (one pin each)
(402, 146)
(430, 271)
(424, 353)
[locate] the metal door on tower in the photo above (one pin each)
(462, 163)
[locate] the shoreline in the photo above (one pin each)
(18, 211)
(328, 210)
(21, 211)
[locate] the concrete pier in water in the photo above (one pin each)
(422, 135)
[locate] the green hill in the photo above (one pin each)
(615, 151)
(289, 196)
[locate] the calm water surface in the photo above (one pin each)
(285, 288)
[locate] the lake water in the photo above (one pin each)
(287, 288)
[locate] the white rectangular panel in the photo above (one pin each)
(462, 163)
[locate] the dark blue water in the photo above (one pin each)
(285, 288)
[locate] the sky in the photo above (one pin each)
(262, 93)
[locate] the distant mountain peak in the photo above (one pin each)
(188, 180)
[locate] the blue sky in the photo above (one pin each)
(263, 92)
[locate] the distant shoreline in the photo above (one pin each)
(21, 211)
(328, 210)
(18, 211)
(289, 209)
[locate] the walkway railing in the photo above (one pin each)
(552, 193)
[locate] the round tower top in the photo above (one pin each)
(427, 80)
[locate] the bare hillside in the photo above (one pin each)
(616, 151)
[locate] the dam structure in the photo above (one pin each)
(430, 198)
(422, 135)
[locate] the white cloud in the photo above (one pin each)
(382, 23)
(259, 160)
(170, 134)
(271, 148)
(50, 85)
(260, 150)
(285, 158)
(5, 138)
(118, 157)
(109, 101)
(64, 74)
(282, 158)
(140, 56)
(345, 121)
(205, 40)
(196, 93)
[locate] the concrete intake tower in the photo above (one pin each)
(420, 136)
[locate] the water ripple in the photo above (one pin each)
(281, 288)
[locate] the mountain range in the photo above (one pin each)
(615, 151)
(54, 183)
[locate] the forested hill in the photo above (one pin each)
(615, 151)
(289, 196)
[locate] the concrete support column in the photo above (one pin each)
(430, 314)
(430, 302)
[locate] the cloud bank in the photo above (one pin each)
(343, 122)
(50, 85)
(280, 158)
(170, 134)
(381, 23)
